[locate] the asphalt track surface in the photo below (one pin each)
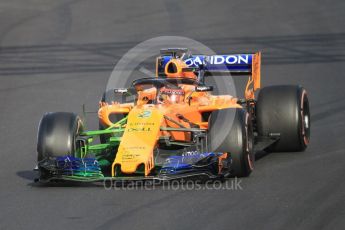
(57, 55)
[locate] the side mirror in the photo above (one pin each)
(121, 90)
(124, 95)
(204, 88)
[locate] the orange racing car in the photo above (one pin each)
(172, 126)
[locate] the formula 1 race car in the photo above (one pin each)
(171, 126)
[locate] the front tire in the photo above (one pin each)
(237, 140)
(57, 135)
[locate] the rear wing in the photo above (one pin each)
(236, 64)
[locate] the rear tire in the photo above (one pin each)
(56, 135)
(237, 141)
(284, 109)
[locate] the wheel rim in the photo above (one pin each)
(249, 138)
(305, 115)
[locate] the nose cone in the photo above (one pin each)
(139, 139)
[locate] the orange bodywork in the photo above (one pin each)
(146, 121)
(141, 134)
(174, 68)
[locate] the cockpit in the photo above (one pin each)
(163, 90)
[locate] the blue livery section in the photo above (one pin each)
(73, 166)
(176, 164)
(240, 63)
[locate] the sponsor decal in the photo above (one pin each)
(140, 123)
(203, 88)
(130, 157)
(145, 114)
(136, 147)
(140, 129)
(243, 59)
(173, 91)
